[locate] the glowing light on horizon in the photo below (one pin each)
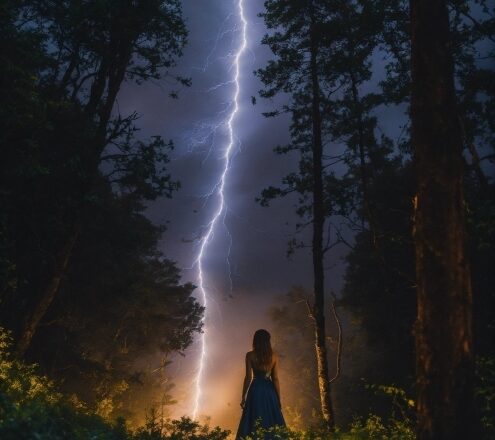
(220, 191)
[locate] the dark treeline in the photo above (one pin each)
(415, 210)
(83, 287)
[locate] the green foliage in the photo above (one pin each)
(182, 429)
(71, 161)
(485, 393)
(341, 40)
(32, 408)
(111, 334)
(374, 428)
(379, 289)
(369, 428)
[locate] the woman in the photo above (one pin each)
(262, 402)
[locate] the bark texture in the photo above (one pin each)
(317, 246)
(444, 346)
(48, 295)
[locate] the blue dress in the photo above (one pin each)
(262, 404)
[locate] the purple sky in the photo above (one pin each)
(259, 267)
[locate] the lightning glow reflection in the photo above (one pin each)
(205, 240)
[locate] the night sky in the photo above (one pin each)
(260, 270)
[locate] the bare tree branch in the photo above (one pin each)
(339, 342)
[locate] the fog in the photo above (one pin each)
(246, 266)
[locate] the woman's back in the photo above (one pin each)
(261, 390)
(257, 367)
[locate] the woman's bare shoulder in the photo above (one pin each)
(274, 360)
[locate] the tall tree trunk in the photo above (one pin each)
(317, 246)
(444, 347)
(103, 94)
(48, 295)
(62, 259)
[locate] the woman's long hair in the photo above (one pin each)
(262, 349)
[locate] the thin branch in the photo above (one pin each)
(331, 246)
(339, 342)
(475, 158)
(310, 310)
(488, 157)
(308, 306)
(341, 238)
(333, 163)
(77, 86)
(475, 22)
(331, 92)
(118, 156)
(116, 171)
(327, 244)
(329, 157)
(302, 226)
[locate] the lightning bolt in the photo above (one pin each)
(217, 215)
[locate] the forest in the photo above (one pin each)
(96, 312)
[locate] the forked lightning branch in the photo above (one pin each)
(220, 210)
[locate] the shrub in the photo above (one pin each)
(32, 408)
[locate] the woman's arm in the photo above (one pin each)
(275, 381)
(247, 380)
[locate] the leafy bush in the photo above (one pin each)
(32, 408)
(398, 426)
(485, 392)
(182, 429)
(370, 428)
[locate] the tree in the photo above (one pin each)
(382, 300)
(323, 52)
(90, 49)
(109, 337)
(83, 286)
(293, 334)
(443, 329)
(379, 288)
(297, 71)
